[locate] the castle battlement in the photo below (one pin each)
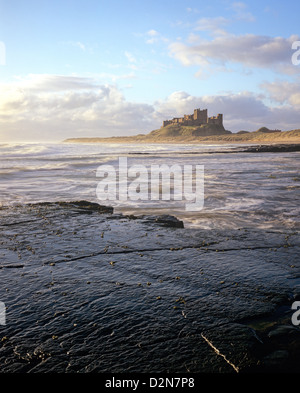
(198, 118)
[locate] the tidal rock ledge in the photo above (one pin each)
(87, 290)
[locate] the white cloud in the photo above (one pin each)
(242, 111)
(249, 50)
(153, 33)
(153, 36)
(192, 10)
(213, 25)
(76, 44)
(241, 12)
(283, 92)
(131, 60)
(50, 82)
(53, 107)
(225, 49)
(80, 45)
(130, 57)
(116, 77)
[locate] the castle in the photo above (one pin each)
(198, 118)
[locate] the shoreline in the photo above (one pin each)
(181, 142)
(286, 146)
(193, 142)
(284, 137)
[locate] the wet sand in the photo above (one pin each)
(87, 290)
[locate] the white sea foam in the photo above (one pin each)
(241, 189)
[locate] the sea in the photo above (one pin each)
(240, 189)
(102, 293)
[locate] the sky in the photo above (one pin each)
(95, 68)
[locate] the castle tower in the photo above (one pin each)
(220, 119)
(200, 116)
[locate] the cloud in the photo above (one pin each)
(80, 45)
(241, 105)
(153, 33)
(75, 44)
(283, 92)
(130, 57)
(213, 25)
(54, 107)
(50, 82)
(242, 111)
(249, 50)
(241, 12)
(116, 77)
(153, 36)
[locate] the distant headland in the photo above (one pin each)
(198, 128)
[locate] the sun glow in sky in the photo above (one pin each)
(121, 67)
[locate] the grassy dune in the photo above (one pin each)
(177, 134)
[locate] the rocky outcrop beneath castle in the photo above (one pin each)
(176, 130)
(170, 133)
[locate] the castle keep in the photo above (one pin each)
(198, 118)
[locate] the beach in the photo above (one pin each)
(93, 287)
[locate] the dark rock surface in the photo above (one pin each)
(90, 291)
(273, 148)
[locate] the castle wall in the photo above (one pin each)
(166, 123)
(216, 119)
